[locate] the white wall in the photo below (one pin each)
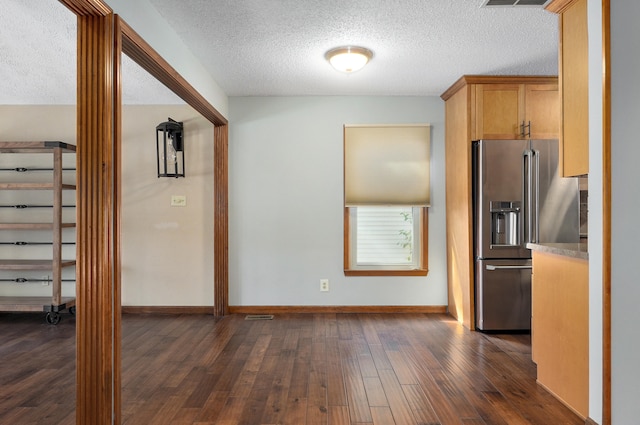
(167, 252)
(625, 204)
(286, 208)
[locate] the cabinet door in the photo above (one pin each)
(560, 326)
(575, 86)
(499, 111)
(542, 110)
(534, 334)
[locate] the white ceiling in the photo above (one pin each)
(276, 47)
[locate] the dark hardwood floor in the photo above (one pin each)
(296, 369)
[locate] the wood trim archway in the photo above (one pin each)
(144, 55)
(606, 213)
(102, 38)
(98, 221)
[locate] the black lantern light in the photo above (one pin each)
(170, 149)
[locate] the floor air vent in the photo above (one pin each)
(515, 3)
(259, 317)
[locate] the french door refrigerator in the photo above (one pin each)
(518, 197)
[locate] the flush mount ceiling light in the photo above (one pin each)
(348, 58)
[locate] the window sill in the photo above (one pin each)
(417, 272)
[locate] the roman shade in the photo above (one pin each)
(386, 165)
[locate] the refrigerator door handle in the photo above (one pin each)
(527, 196)
(491, 267)
(535, 210)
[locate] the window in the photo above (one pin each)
(386, 241)
(385, 238)
(386, 199)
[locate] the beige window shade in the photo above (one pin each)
(386, 165)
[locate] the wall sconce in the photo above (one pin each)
(170, 149)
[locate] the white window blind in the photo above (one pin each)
(385, 236)
(387, 165)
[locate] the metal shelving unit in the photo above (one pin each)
(56, 303)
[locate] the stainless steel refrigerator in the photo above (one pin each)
(518, 197)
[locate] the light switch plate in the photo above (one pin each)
(178, 201)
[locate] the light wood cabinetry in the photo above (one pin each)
(542, 110)
(486, 107)
(499, 111)
(560, 327)
(517, 111)
(574, 85)
(54, 263)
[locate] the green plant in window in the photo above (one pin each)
(407, 234)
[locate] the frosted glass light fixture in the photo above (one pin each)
(349, 58)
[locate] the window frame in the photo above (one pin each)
(422, 269)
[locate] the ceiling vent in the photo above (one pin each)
(515, 3)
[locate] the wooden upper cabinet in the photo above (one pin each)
(542, 110)
(517, 111)
(574, 85)
(499, 111)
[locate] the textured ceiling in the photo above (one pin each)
(276, 47)
(38, 59)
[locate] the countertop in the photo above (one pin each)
(573, 250)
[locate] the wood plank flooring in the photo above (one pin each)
(364, 369)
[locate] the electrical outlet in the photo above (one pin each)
(178, 201)
(324, 285)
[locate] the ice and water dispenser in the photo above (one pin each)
(505, 223)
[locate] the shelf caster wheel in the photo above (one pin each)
(53, 317)
(72, 310)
